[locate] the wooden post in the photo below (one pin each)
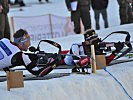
(8, 80)
(94, 59)
(12, 28)
(12, 23)
(14, 80)
(51, 26)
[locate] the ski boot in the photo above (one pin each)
(81, 64)
(75, 69)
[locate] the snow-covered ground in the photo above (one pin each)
(96, 86)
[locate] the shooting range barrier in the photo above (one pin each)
(44, 27)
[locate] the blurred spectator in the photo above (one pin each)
(130, 11)
(81, 11)
(4, 23)
(125, 11)
(18, 2)
(100, 7)
(45, 0)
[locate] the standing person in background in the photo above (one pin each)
(124, 8)
(82, 12)
(45, 0)
(20, 2)
(4, 23)
(100, 6)
(130, 11)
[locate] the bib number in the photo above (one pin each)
(6, 49)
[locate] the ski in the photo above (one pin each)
(126, 58)
(29, 77)
(83, 73)
(120, 61)
(130, 55)
(47, 77)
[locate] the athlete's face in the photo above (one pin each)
(25, 45)
(25, 42)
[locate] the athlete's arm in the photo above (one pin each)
(27, 60)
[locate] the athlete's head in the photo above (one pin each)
(91, 36)
(22, 38)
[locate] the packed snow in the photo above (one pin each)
(100, 85)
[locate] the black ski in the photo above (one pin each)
(83, 73)
(32, 77)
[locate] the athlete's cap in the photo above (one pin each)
(89, 33)
(21, 36)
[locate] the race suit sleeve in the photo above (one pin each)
(27, 60)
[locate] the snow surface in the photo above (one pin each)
(98, 86)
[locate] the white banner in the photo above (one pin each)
(44, 27)
(38, 27)
(61, 26)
